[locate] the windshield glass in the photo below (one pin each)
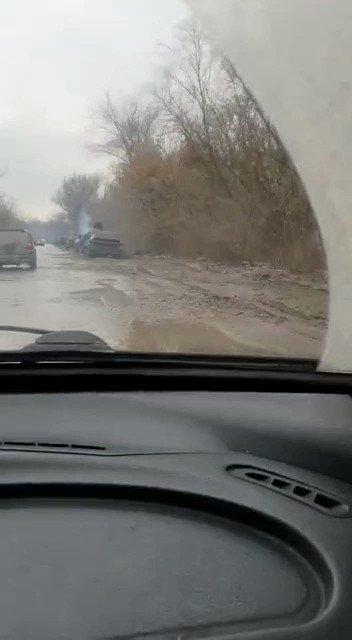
(159, 156)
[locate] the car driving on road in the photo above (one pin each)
(17, 248)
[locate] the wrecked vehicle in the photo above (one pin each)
(71, 242)
(99, 243)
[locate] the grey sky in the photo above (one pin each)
(57, 60)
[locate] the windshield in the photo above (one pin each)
(168, 173)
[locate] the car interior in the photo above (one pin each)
(151, 499)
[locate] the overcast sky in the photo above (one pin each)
(57, 60)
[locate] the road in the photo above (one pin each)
(63, 293)
(154, 304)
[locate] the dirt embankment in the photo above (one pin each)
(166, 304)
(183, 305)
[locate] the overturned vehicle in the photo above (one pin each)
(98, 243)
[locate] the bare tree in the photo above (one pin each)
(188, 94)
(201, 170)
(8, 212)
(127, 131)
(77, 194)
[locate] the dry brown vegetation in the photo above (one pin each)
(200, 171)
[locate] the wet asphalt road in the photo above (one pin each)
(65, 292)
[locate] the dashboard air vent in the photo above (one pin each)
(49, 446)
(311, 496)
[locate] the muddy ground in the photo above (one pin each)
(242, 310)
(159, 303)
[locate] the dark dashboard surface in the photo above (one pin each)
(309, 430)
(175, 515)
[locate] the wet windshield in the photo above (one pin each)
(161, 207)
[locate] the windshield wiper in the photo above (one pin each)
(57, 341)
(85, 347)
(16, 329)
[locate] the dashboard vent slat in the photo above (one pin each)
(281, 484)
(259, 477)
(35, 446)
(291, 488)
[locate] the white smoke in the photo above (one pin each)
(83, 222)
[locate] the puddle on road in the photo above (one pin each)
(115, 298)
(110, 297)
(180, 337)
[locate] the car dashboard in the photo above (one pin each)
(176, 515)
